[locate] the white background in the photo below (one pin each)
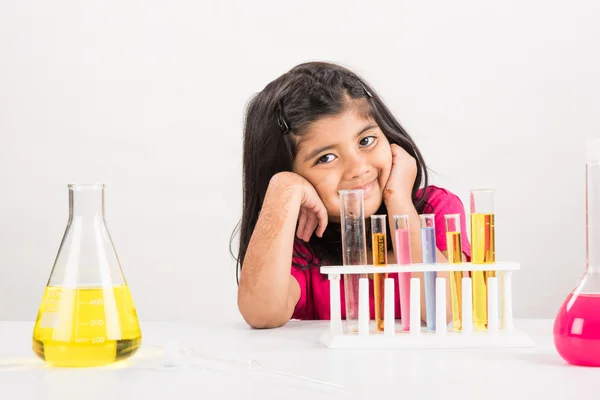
(148, 97)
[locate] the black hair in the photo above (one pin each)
(285, 108)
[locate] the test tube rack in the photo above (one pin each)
(500, 332)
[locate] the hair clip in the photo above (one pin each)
(365, 89)
(281, 121)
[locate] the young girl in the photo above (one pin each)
(318, 129)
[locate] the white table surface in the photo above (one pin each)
(295, 348)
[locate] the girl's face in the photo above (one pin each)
(344, 152)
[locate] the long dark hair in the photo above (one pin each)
(285, 108)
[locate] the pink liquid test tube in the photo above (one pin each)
(403, 257)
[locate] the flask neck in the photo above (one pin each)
(592, 217)
(86, 201)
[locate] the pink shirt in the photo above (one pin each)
(314, 286)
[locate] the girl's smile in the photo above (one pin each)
(367, 188)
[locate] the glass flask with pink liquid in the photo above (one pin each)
(577, 324)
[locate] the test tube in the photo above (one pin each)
(429, 257)
(403, 257)
(482, 250)
(379, 242)
(354, 249)
(454, 245)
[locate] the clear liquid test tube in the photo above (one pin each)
(354, 249)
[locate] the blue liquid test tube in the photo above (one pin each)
(429, 257)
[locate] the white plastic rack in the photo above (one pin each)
(500, 331)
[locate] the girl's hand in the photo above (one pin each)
(402, 177)
(312, 214)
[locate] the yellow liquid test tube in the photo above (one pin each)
(454, 245)
(482, 250)
(379, 248)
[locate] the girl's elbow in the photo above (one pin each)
(263, 321)
(262, 317)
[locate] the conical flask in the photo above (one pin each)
(577, 324)
(86, 316)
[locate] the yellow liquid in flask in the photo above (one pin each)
(85, 327)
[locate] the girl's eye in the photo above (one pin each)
(366, 141)
(325, 159)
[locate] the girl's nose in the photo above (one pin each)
(357, 167)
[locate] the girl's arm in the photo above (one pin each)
(267, 292)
